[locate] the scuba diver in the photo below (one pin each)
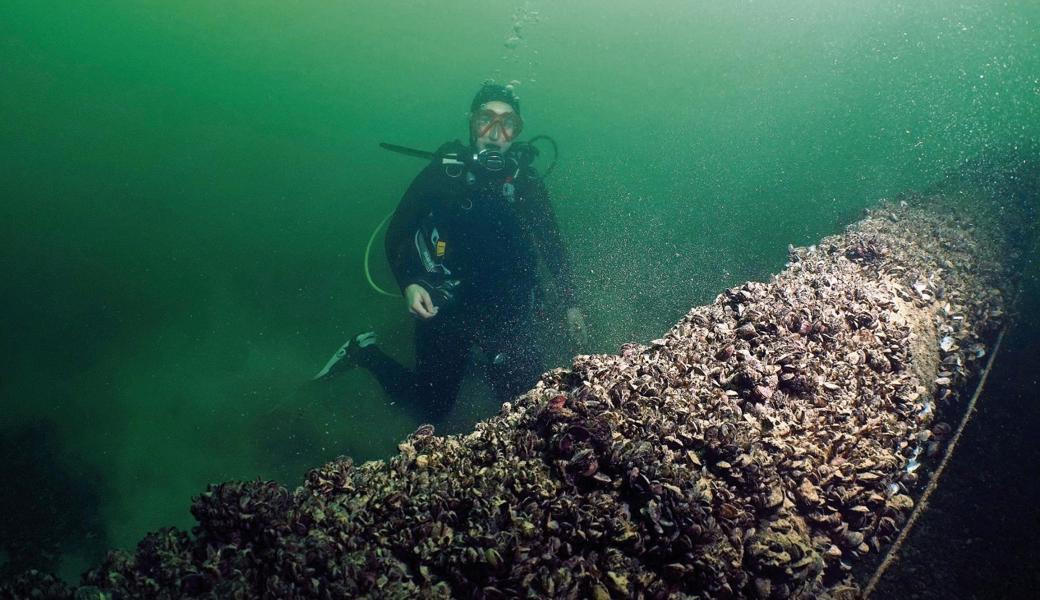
(465, 246)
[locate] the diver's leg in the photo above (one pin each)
(441, 349)
(397, 380)
(514, 358)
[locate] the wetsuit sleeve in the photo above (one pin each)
(549, 242)
(400, 233)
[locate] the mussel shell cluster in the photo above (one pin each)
(761, 448)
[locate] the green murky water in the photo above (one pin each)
(187, 189)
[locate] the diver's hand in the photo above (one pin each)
(419, 302)
(576, 324)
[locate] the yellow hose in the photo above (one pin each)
(368, 250)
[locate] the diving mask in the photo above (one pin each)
(487, 122)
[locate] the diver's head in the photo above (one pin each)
(494, 120)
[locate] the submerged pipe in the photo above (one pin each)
(769, 445)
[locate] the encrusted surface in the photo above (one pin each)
(761, 448)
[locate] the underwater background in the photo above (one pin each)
(187, 190)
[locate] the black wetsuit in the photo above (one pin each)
(475, 240)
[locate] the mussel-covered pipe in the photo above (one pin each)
(764, 447)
